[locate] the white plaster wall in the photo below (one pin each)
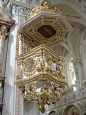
(21, 104)
(31, 108)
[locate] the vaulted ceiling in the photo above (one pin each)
(75, 13)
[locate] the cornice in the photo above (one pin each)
(76, 59)
(7, 23)
(21, 4)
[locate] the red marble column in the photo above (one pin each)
(18, 93)
(3, 33)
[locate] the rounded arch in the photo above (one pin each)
(71, 107)
(53, 112)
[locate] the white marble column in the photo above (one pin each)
(12, 94)
(10, 74)
(9, 107)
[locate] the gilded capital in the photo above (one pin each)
(20, 36)
(2, 34)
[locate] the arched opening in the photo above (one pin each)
(53, 113)
(71, 110)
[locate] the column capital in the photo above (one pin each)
(76, 59)
(77, 62)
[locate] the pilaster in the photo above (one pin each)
(3, 33)
(78, 71)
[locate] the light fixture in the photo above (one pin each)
(40, 70)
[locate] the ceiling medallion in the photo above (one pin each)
(39, 69)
